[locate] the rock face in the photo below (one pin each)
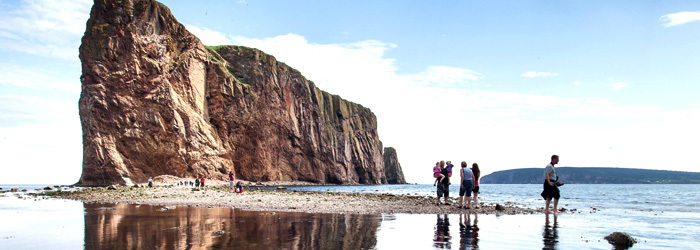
(392, 167)
(156, 101)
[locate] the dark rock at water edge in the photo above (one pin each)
(156, 101)
(620, 240)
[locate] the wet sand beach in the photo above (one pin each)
(280, 200)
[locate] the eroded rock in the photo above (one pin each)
(156, 101)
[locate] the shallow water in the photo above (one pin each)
(659, 216)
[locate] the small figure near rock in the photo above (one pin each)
(238, 188)
(150, 182)
(620, 240)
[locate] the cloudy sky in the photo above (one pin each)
(505, 84)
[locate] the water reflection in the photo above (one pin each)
(549, 235)
(469, 233)
(442, 237)
(139, 227)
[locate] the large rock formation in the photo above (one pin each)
(156, 101)
(393, 171)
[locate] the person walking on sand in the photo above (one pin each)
(150, 182)
(465, 188)
(550, 190)
(477, 173)
(443, 187)
(196, 182)
(201, 182)
(230, 180)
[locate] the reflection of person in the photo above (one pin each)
(469, 235)
(467, 182)
(549, 234)
(442, 233)
(477, 174)
(443, 187)
(550, 190)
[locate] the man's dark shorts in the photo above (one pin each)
(443, 190)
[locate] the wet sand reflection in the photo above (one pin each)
(137, 227)
(442, 237)
(549, 234)
(469, 233)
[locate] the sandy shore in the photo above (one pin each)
(280, 200)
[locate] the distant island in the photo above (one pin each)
(593, 175)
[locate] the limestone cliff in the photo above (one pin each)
(156, 101)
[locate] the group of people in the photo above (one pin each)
(468, 183)
(198, 182)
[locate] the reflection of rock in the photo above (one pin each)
(135, 227)
(620, 240)
(156, 101)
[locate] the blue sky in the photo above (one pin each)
(502, 83)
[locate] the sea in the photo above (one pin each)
(658, 216)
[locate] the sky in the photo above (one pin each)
(505, 84)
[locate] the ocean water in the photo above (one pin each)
(658, 216)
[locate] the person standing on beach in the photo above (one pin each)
(465, 188)
(201, 182)
(550, 190)
(477, 173)
(230, 180)
(150, 182)
(196, 182)
(443, 187)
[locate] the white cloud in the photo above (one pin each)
(40, 140)
(209, 37)
(577, 83)
(21, 76)
(680, 18)
(447, 76)
(538, 74)
(50, 28)
(619, 85)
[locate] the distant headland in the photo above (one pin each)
(593, 175)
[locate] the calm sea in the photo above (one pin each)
(659, 216)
